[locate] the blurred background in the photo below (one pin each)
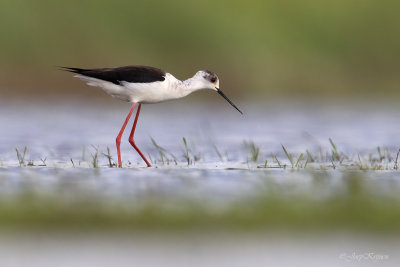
(225, 189)
(263, 50)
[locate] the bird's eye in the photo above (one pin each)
(213, 79)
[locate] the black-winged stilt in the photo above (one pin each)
(144, 85)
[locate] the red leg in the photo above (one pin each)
(133, 132)
(118, 141)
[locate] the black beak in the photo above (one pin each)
(227, 99)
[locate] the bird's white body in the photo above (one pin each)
(153, 92)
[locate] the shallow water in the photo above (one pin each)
(59, 133)
(65, 135)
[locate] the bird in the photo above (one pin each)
(145, 85)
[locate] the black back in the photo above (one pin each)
(132, 74)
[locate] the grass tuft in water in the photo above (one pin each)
(299, 160)
(396, 162)
(21, 157)
(335, 153)
(218, 152)
(381, 155)
(161, 150)
(310, 158)
(276, 159)
(305, 164)
(254, 150)
(289, 156)
(186, 151)
(43, 160)
(111, 162)
(95, 157)
(190, 154)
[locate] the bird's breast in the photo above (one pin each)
(154, 92)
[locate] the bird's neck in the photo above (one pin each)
(191, 85)
(186, 87)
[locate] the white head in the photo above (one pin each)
(205, 79)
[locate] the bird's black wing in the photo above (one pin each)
(132, 74)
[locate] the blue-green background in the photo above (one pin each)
(267, 49)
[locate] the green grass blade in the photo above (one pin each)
(288, 156)
(335, 152)
(299, 159)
